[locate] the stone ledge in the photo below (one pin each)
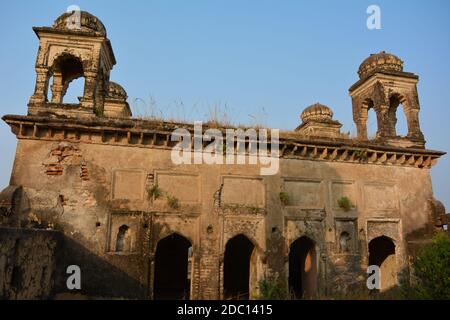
(156, 134)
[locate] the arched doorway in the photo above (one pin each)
(123, 239)
(171, 279)
(372, 120)
(382, 254)
(236, 270)
(303, 268)
(65, 69)
(397, 122)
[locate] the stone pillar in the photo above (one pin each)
(41, 87)
(382, 121)
(100, 93)
(57, 88)
(412, 117)
(208, 269)
(392, 122)
(360, 118)
(361, 127)
(88, 100)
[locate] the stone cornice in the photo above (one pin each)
(93, 37)
(156, 134)
(400, 77)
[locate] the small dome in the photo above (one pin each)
(317, 112)
(116, 91)
(380, 62)
(89, 23)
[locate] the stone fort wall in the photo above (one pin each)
(140, 226)
(100, 188)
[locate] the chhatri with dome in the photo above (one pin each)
(94, 187)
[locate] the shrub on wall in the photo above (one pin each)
(284, 198)
(270, 289)
(345, 203)
(154, 192)
(173, 202)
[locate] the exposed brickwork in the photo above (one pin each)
(64, 154)
(84, 174)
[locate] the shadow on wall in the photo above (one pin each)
(33, 265)
(27, 262)
(99, 277)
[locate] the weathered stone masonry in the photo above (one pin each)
(140, 226)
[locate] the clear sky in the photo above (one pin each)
(259, 61)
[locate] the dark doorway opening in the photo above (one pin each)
(171, 280)
(123, 237)
(302, 268)
(236, 271)
(382, 254)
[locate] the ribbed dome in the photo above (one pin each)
(116, 91)
(89, 23)
(317, 112)
(380, 62)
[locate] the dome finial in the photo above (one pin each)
(317, 112)
(88, 23)
(317, 121)
(380, 62)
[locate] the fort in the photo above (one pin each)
(94, 187)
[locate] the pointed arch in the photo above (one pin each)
(65, 68)
(168, 233)
(303, 268)
(172, 268)
(397, 112)
(382, 253)
(371, 119)
(239, 267)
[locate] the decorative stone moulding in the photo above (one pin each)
(128, 133)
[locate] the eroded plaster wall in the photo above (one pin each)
(27, 263)
(90, 190)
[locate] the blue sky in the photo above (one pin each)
(260, 61)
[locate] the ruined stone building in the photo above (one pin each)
(94, 187)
